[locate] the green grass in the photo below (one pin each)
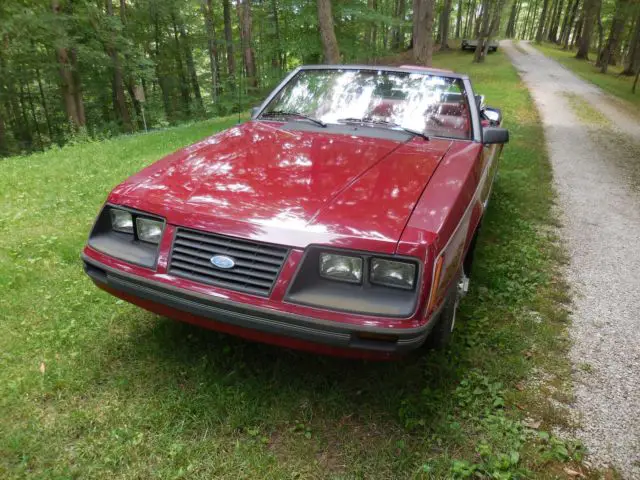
(585, 112)
(92, 387)
(612, 82)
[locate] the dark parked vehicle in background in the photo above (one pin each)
(341, 219)
(472, 44)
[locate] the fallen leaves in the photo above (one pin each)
(573, 473)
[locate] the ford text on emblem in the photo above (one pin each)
(222, 261)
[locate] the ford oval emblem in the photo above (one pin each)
(222, 261)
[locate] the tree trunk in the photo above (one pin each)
(278, 63)
(228, 38)
(471, 6)
(543, 16)
(207, 12)
(71, 95)
(590, 11)
(555, 24)
(565, 21)
(184, 85)
(117, 82)
(166, 101)
(478, 20)
(445, 20)
(248, 54)
(34, 117)
(577, 31)
(608, 54)
(43, 102)
(458, 19)
(523, 35)
(512, 19)
(484, 32)
(570, 24)
(633, 55)
(529, 35)
(398, 35)
(327, 33)
(4, 150)
(600, 31)
(423, 32)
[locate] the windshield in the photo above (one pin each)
(429, 104)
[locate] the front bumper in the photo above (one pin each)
(257, 323)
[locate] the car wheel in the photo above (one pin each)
(440, 336)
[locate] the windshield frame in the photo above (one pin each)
(476, 131)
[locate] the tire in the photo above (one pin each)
(440, 335)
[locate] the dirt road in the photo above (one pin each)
(596, 164)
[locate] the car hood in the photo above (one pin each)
(259, 181)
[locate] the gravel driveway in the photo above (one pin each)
(597, 172)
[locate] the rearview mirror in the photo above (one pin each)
(495, 135)
(255, 111)
(494, 115)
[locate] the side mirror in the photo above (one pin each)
(494, 115)
(495, 135)
(255, 111)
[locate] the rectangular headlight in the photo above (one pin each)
(341, 267)
(121, 220)
(391, 273)
(149, 230)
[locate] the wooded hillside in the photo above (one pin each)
(72, 68)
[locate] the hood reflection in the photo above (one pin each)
(258, 181)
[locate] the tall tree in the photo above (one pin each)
(608, 53)
(632, 63)
(69, 82)
(591, 8)
(511, 24)
(398, 34)
(458, 18)
(120, 103)
(228, 38)
(541, 22)
(445, 20)
(214, 64)
(327, 32)
(423, 32)
(468, 23)
(248, 54)
(555, 24)
(483, 34)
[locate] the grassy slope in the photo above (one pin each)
(96, 388)
(612, 82)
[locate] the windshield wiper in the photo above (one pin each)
(371, 121)
(280, 113)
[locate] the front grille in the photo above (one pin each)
(256, 265)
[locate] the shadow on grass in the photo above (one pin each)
(201, 381)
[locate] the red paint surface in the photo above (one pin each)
(262, 183)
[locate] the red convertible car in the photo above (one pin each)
(340, 219)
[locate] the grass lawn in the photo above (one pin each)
(612, 82)
(92, 387)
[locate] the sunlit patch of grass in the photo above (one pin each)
(92, 387)
(585, 112)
